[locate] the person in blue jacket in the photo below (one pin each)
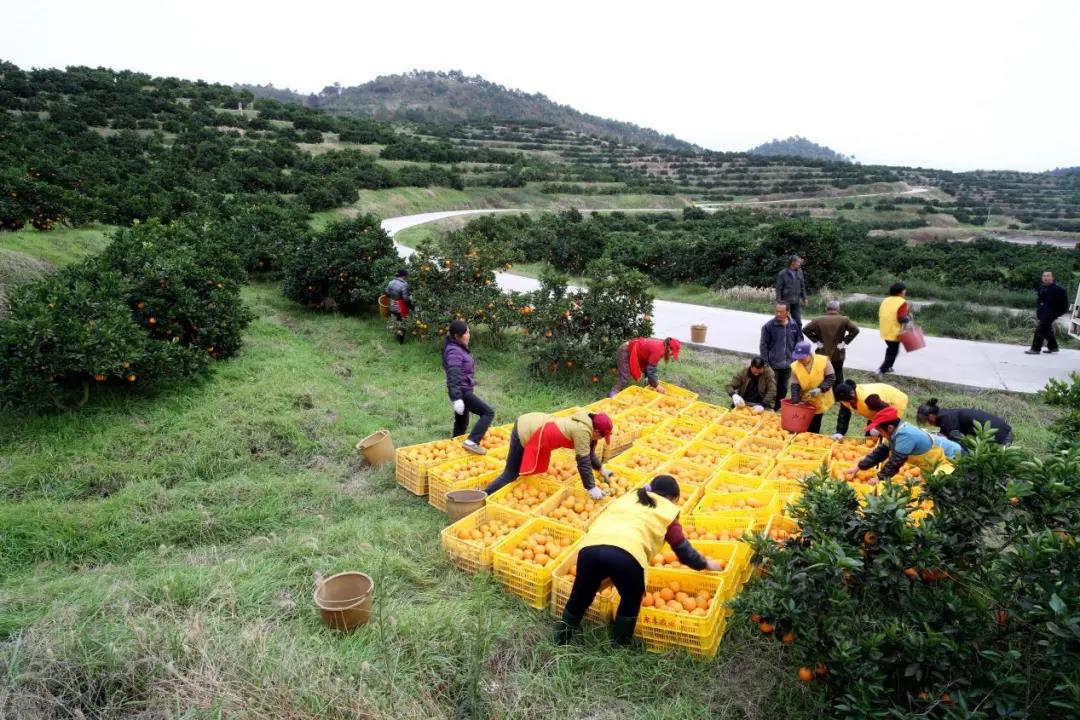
(903, 442)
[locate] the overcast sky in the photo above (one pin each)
(948, 84)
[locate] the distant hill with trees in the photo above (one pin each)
(797, 146)
(445, 97)
(1062, 172)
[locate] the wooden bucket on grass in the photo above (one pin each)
(377, 448)
(344, 600)
(460, 503)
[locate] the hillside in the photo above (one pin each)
(797, 146)
(441, 97)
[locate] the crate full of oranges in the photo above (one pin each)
(412, 463)
(494, 438)
(742, 464)
(805, 453)
(733, 557)
(722, 435)
(754, 504)
(760, 447)
(670, 405)
(466, 473)
(576, 508)
(602, 608)
(685, 430)
(524, 560)
(469, 541)
(686, 472)
(638, 461)
(712, 528)
(702, 412)
(661, 443)
(705, 453)
(680, 610)
(530, 495)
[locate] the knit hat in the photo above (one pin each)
(883, 416)
(803, 350)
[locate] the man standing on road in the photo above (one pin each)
(1052, 303)
(791, 290)
(779, 337)
(832, 332)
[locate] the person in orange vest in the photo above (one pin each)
(643, 354)
(894, 316)
(618, 548)
(535, 435)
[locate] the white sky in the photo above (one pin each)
(949, 83)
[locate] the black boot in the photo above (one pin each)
(401, 337)
(566, 627)
(622, 630)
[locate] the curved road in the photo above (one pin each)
(992, 366)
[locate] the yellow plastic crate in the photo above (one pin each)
(468, 552)
(688, 500)
(601, 610)
(660, 442)
(412, 463)
(741, 464)
(562, 468)
(686, 430)
(609, 406)
(813, 440)
(803, 453)
(709, 527)
(679, 392)
(741, 420)
(527, 580)
(474, 471)
(753, 504)
(635, 396)
(722, 435)
(663, 630)
(766, 431)
(577, 497)
(622, 482)
(525, 501)
(495, 437)
(703, 412)
(732, 554)
(780, 528)
(704, 453)
(850, 450)
(631, 425)
(792, 471)
(638, 461)
(670, 405)
(759, 447)
(567, 412)
(726, 482)
(686, 472)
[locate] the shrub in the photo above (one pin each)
(973, 613)
(570, 329)
(262, 234)
(455, 278)
(344, 267)
(1067, 395)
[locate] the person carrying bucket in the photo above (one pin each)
(894, 316)
(643, 354)
(813, 378)
(903, 442)
(535, 435)
(617, 548)
(460, 381)
(400, 302)
(859, 398)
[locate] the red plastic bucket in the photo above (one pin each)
(912, 339)
(796, 417)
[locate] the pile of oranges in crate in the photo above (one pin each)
(718, 503)
(661, 443)
(489, 533)
(693, 532)
(645, 463)
(562, 468)
(702, 412)
(616, 485)
(540, 548)
(433, 452)
(768, 431)
(606, 591)
(687, 472)
(577, 511)
(722, 436)
(705, 454)
(851, 452)
(669, 405)
(748, 465)
(740, 421)
(524, 497)
(667, 558)
(673, 599)
(754, 445)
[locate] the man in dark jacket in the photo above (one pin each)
(778, 339)
(754, 385)
(1052, 303)
(834, 332)
(791, 289)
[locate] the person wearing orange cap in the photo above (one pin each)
(535, 435)
(903, 442)
(643, 355)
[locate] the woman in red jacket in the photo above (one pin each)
(643, 355)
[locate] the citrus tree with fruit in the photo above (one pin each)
(972, 611)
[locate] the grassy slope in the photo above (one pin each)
(159, 551)
(56, 247)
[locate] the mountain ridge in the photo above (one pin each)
(798, 146)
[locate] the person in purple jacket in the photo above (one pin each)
(460, 381)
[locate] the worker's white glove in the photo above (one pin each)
(841, 346)
(714, 565)
(837, 437)
(596, 493)
(758, 409)
(737, 400)
(875, 433)
(660, 389)
(814, 393)
(459, 407)
(607, 474)
(819, 347)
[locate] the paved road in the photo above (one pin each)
(962, 362)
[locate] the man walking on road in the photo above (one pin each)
(791, 290)
(1051, 304)
(779, 337)
(833, 332)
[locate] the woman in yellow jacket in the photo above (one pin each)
(857, 398)
(894, 315)
(618, 548)
(813, 377)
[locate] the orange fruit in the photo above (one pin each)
(666, 594)
(806, 674)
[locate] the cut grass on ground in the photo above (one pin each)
(158, 551)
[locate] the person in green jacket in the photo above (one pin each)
(754, 385)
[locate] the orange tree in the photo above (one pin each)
(974, 612)
(344, 267)
(579, 330)
(454, 278)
